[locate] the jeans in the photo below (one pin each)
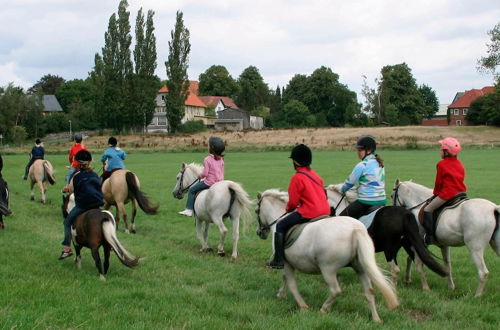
(289, 221)
(70, 174)
(192, 193)
(76, 211)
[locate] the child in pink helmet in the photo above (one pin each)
(449, 182)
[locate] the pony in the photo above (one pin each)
(4, 197)
(323, 247)
(93, 229)
(392, 227)
(41, 172)
(472, 223)
(223, 199)
(121, 187)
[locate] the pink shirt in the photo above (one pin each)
(213, 170)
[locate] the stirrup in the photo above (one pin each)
(65, 255)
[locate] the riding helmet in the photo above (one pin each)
(217, 145)
(112, 141)
(302, 155)
(83, 156)
(78, 137)
(366, 142)
(38, 141)
(451, 145)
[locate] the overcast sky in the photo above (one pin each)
(441, 40)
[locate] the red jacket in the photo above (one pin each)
(307, 196)
(449, 178)
(73, 151)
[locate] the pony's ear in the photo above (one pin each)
(259, 195)
(397, 182)
(183, 166)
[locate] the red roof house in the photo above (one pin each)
(459, 108)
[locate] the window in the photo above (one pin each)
(459, 123)
(464, 112)
(455, 112)
(162, 121)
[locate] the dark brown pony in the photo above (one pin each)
(4, 197)
(93, 229)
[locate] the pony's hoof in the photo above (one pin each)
(221, 254)
(304, 308)
(324, 311)
(43, 202)
(207, 250)
(426, 289)
(281, 295)
(32, 198)
(102, 278)
(132, 231)
(127, 231)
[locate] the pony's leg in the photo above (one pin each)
(370, 295)
(420, 269)
(78, 256)
(330, 277)
(134, 212)
(120, 209)
(478, 259)
(98, 264)
(236, 237)
(42, 192)
(282, 290)
(107, 252)
(223, 231)
(445, 252)
(409, 262)
(394, 271)
(292, 285)
(32, 187)
(202, 235)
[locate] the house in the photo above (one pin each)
(218, 102)
(440, 118)
(50, 105)
(231, 119)
(461, 104)
(194, 109)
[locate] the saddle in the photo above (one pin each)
(449, 204)
(367, 219)
(293, 233)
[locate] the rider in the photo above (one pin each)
(306, 200)
(449, 182)
(77, 146)
(88, 195)
(369, 174)
(37, 152)
(112, 158)
(213, 171)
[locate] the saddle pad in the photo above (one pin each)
(293, 233)
(368, 219)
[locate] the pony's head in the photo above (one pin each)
(270, 204)
(187, 176)
(68, 203)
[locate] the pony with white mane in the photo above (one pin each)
(323, 247)
(472, 223)
(391, 228)
(223, 199)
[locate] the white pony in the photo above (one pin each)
(472, 223)
(324, 247)
(224, 198)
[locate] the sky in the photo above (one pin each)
(440, 40)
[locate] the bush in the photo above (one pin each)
(18, 134)
(192, 126)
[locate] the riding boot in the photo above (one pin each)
(429, 227)
(279, 252)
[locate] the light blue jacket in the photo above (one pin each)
(114, 157)
(371, 180)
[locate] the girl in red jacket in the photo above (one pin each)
(449, 182)
(306, 200)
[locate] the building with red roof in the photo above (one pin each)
(461, 104)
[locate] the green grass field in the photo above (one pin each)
(175, 286)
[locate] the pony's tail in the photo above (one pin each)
(495, 238)
(141, 198)
(109, 230)
(243, 201)
(48, 173)
(366, 257)
(411, 232)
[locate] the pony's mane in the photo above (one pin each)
(350, 195)
(275, 194)
(195, 167)
(416, 185)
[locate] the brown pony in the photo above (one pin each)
(93, 229)
(41, 173)
(4, 197)
(122, 187)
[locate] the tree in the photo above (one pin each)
(485, 110)
(491, 62)
(253, 92)
(431, 104)
(47, 85)
(177, 65)
(74, 91)
(296, 114)
(217, 81)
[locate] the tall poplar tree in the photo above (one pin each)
(178, 82)
(123, 118)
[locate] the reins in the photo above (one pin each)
(396, 200)
(268, 226)
(183, 190)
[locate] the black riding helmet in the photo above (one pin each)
(217, 145)
(366, 142)
(78, 137)
(83, 156)
(112, 141)
(302, 155)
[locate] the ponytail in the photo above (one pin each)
(379, 160)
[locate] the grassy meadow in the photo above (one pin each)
(175, 286)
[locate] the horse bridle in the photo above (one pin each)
(181, 190)
(396, 200)
(268, 226)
